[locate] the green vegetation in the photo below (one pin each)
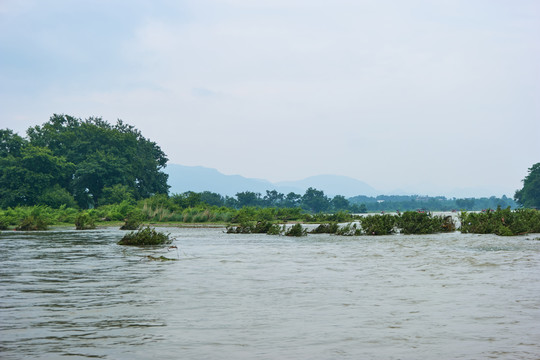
(35, 220)
(133, 220)
(412, 222)
(529, 195)
(390, 203)
(71, 162)
(254, 227)
(83, 172)
(145, 237)
(84, 221)
(3, 224)
(504, 222)
(350, 229)
(251, 220)
(296, 230)
(327, 228)
(378, 224)
(269, 228)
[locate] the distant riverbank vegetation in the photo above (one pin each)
(89, 173)
(250, 220)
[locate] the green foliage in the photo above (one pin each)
(246, 214)
(33, 174)
(248, 198)
(145, 237)
(339, 203)
(115, 212)
(414, 222)
(57, 197)
(259, 227)
(350, 229)
(273, 198)
(425, 203)
(116, 194)
(326, 228)
(504, 222)
(10, 143)
(288, 214)
(250, 227)
(274, 229)
(4, 223)
(315, 200)
(465, 204)
(383, 224)
(84, 221)
(92, 161)
(296, 230)
(35, 220)
(242, 228)
(133, 220)
(529, 195)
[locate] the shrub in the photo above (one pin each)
(243, 228)
(34, 218)
(66, 214)
(348, 230)
(296, 230)
(378, 224)
(503, 222)
(3, 223)
(327, 228)
(274, 230)
(133, 220)
(414, 222)
(144, 237)
(33, 222)
(249, 227)
(84, 221)
(448, 224)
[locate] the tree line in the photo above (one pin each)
(316, 201)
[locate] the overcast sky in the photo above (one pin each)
(402, 94)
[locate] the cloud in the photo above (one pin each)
(431, 91)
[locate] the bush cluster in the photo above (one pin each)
(144, 237)
(84, 221)
(504, 222)
(412, 222)
(266, 227)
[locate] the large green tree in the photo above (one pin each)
(27, 175)
(86, 158)
(315, 200)
(529, 195)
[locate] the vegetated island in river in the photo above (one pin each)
(274, 221)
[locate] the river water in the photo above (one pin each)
(76, 294)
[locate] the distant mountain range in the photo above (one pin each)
(197, 178)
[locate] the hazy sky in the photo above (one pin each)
(426, 95)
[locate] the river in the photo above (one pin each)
(77, 294)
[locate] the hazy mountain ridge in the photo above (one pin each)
(198, 178)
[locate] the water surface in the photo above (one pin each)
(76, 295)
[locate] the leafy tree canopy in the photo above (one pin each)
(529, 195)
(315, 200)
(92, 160)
